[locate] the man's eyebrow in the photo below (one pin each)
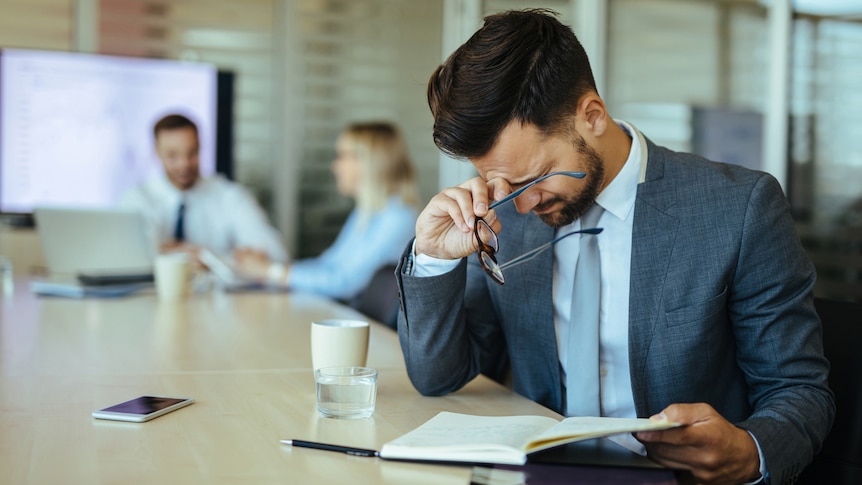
(516, 183)
(528, 179)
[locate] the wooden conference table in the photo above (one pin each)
(245, 359)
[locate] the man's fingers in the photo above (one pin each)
(481, 193)
(687, 413)
(498, 188)
(457, 203)
(445, 227)
(673, 436)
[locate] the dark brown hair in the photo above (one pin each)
(521, 65)
(173, 122)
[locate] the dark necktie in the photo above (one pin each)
(180, 229)
(583, 395)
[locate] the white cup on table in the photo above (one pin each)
(172, 275)
(339, 342)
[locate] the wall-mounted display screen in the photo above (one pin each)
(76, 129)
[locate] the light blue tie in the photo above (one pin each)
(582, 372)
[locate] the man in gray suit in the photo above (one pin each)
(704, 311)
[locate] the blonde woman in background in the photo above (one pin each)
(371, 166)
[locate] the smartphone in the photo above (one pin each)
(142, 408)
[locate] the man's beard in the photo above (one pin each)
(577, 206)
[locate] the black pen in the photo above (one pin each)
(324, 446)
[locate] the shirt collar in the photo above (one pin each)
(166, 188)
(618, 198)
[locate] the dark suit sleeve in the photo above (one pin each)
(778, 335)
(442, 351)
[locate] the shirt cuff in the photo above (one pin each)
(762, 478)
(424, 265)
(276, 274)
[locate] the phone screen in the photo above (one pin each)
(142, 408)
(144, 405)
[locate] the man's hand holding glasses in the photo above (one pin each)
(458, 221)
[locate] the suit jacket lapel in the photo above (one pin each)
(653, 236)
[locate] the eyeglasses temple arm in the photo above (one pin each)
(577, 175)
(535, 252)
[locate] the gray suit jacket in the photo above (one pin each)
(720, 310)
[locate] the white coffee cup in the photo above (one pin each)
(172, 274)
(339, 343)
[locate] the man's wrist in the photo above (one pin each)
(424, 265)
(761, 463)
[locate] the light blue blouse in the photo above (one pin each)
(346, 267)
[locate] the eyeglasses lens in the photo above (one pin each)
(488, 246)
(486, 236)
(491, 267)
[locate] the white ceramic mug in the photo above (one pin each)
(339, 343)
(172, 274)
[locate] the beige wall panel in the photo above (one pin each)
(41, 24)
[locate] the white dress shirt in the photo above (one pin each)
(615, 252)
(220, 215)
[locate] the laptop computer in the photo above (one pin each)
(98, 246)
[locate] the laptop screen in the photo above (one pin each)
(94, 241)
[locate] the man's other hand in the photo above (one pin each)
(713, 449)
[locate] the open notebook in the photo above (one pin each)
(454, 437)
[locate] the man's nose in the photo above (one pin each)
(526, 201)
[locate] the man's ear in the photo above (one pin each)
(594, 114)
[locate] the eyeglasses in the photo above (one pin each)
(489, 244)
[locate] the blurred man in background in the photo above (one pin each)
(186, 212)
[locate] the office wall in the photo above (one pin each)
(666, 57)
(826, 152)
(37, 24)
(826, 93)
(356, 61)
